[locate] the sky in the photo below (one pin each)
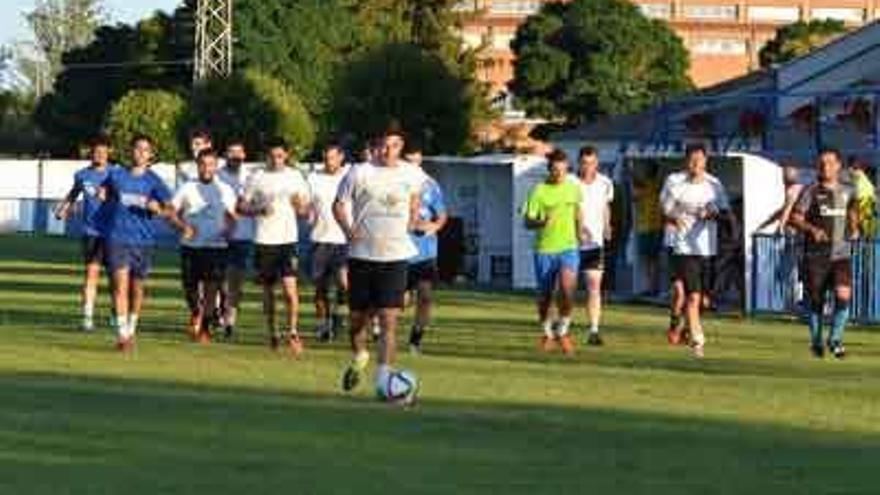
(13, 27)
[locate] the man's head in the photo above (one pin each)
(696, 158)
(334, 157)
(414, 154)
(99, 150)
(588, 162)
(828, 164)
(236, 153)
(557, 166)
(207, 165)
(392, 145)
(142, 150)
(277, 153)
(199, 140)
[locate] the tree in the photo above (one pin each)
(404, 83)
(252, 106)
(156, 113)
(58, 27)
(798, 39)
(153, 54)
(592, 58)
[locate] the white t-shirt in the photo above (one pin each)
(205, 206)
(685, 200)
(244, 227)
(324, 187)
(669, 231)
(381, 200)
(276, 189)
(595, 198)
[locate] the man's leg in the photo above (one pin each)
(291, 306)
(567, 288)
(137, 289)
(359, 319)
(694, 306)
(817, 273)
(842, 279)
(336, 316)
(268, 289)
(120, 301)
(90, 294)
(388, 343)
(594, 304)
(190, 284)
(424, 304)
(677, 301)
(235, 278)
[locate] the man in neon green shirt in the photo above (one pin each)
(552, 210)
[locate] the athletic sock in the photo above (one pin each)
(122, 328)
(132, 324)
(89, 310)
(382, 373)
(564, 324)
(814, 321)
(547, 325)
(594, 328)
(841, 315)
(360, 360)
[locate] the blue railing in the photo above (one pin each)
(777, 282)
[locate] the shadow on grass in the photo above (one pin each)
(78, 434)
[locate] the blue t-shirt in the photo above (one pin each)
(88, 181)
(130, 222)
(432, 206)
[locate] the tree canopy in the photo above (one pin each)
(591, 58)
(156, 113)
(798, 39)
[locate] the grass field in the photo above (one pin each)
(757, 416)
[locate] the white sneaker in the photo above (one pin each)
(88, 324)
(699, 351)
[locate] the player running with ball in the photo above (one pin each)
(384, 201)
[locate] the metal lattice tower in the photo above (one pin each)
(213, 57)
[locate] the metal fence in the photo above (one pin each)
(777, 283)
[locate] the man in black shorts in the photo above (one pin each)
(377, 207)
(827, 213)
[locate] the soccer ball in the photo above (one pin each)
(399, 387)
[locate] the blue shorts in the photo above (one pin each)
(138, 260)
(549, 266)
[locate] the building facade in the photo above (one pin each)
(722, 36)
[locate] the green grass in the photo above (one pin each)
(757, 416)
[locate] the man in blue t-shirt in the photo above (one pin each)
(422, 272)
(135, 195)
(87, 182)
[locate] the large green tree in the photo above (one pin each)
(591, 58)
(156, 113)
(153, 54)
(798, 39)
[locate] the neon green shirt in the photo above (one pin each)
(559, 204)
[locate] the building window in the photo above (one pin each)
(514, 7)
(774, 14)
(656, 10)
(840, 14)
(719, 46)
(710, 12)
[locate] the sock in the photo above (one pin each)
(122, 328)
(231, 317)
(594, 328)
(841, 315)
(564, 324)
(89, 310)
(382, 373)
(360, 360)
(814, 321)
(132, 324)
(547, 325)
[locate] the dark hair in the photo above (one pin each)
(140, 137)
(413, 147)
(587, 151)
(276, 142)
(556, 156)
(235, 141)
(200, 133)
(206, 153)
(831, 151)
(100, 140)
(334, 145)
(394, 129)
(692, 148)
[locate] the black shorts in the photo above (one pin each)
(327, 261)
(825, 274)
(238, 254)
(94, 250)
(376, 285)
(691, 270)
(422, 271)
(202, 265)
(593, 260)
(275, 262)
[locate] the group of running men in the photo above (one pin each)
(571, 216)
(374, 229)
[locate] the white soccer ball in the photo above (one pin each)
(399, 387)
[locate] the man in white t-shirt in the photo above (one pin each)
(597, 194)
(208, 206)
(276, 195)
(329, 244)
(384, 202)
(241, 240)
(694, 205)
